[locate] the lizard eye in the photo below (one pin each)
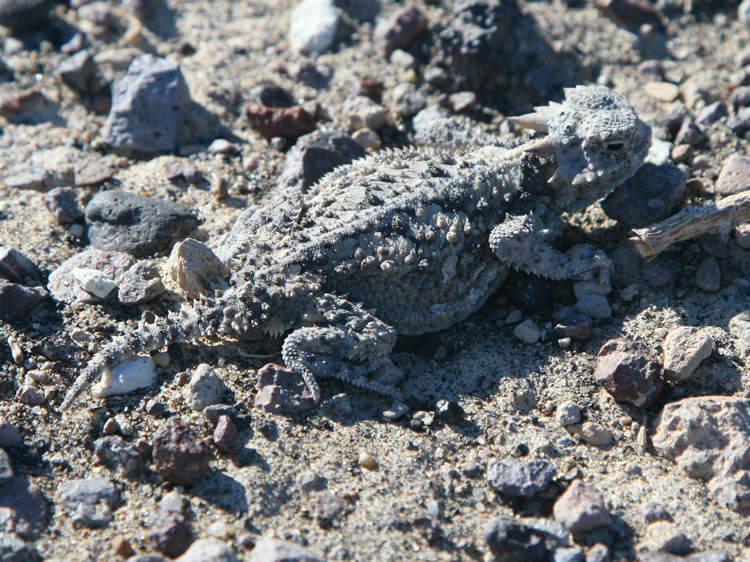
(615, 146)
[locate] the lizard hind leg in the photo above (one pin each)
(348, 344)
(152, 333)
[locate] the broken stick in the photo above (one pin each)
(691, 222)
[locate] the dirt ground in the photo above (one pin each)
(502, 384)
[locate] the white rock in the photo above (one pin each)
(204, 389)
(134, 374)
(527, 331)
(313, 26)
(659, 153)
(93, 281)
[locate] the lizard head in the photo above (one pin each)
(596, 138)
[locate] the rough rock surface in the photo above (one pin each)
(709, 437)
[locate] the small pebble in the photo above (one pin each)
(367, 461)
(520, 478)
(367, 139)
(362, 113)
(396, 411)
(122, 546)
(204, 388)
(568, 413)
(734, 176)
(527, 331)
(596, 306)
(226, 437)
(708, 275)
(654, 511)
(398, 31)
(94, 282)
(581, 508)
(665, 536)
(407, 101)
(662, 91)
(29, 395)
(595, 434)
(61, 202)
(179, 455)
(282, 391)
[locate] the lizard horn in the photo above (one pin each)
(544, 146)
(535, 121)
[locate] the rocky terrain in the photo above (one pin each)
(555, 424)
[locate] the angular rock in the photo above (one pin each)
(525, 540)
(520, 478)
(79, 73)
(17, 301)
(209, 550)
(94, 282)
(734, 176)
(363, 113)
(64, 287)
(275, 550)
(148, 104)
(712, 113)
(204, 388)
(652, 194)
(29, 395)
(195, 268)
(9, 434)
(61, 202)
(709, 437)
(184, 169)
(89, 173)
(628, 370)
(708, 275)
(581, 508)
(128, 222)
(665, 536)
(89, 501)
(6, 467)
(141, 283)
(287, 122)
(226, 437)
(407, 101)
(169, 532)
(684, 349)
(282, 391)
(690, 133)
(314, 155)
(596, 306)
(527, 331)
(117, 454)
(16, 267)
(399, 30)
(576, 326)
(313, 24)
(568, 413)
(179, 455)
(14, 549)
(23, 509)
(328, 507)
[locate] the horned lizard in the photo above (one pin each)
(403, 242)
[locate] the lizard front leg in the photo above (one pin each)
(522, 242)
(347, 343)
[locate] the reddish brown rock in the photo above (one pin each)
(180, 456)
(400, 29)
(282, 391)
(629, 371)
(581, 508)
(287, 122)
(226, 437)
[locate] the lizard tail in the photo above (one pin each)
(152, 333)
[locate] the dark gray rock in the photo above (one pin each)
(16, 267)
(652, 194)
(79, 73)
(9, 434)
(314, 155)
(148, 105)
(117, 454)
(740, 123)
(17, 301)
(14, 549)
(61, 202)
(20, 15)
(520, 478)
(672, 120)
(523, 541)
(127, 222)
(89, 501)
(24, 508)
